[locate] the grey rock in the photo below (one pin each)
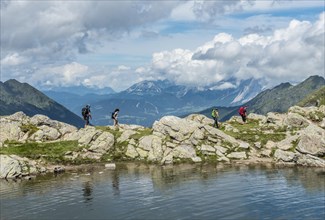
(309, 160)
(87, 135)
(266, 153)
(184, 152)
(177, 128)
(287, 143)
(46, 133)
(237, 155)
(110, 166)
(201, 119)
(103, 143)
(275, 118)
(216, 133)
(10, 167)
(285, 156)
(270, 145)
(126, 135)
(207, 150)
(131, 152)
(220, 149)
(142, 153)
(312, 141)
(295, 120)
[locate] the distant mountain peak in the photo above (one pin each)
(149, 87)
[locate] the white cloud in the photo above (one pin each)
(223, 86)
(292, 53)
(13, 60)
(66, 75)
(62, 43)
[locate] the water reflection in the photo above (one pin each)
(116, 182)
(139, 190)
(87, 191)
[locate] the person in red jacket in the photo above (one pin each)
(243, 113)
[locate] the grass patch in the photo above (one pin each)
(141, 133)
(116, 132)
(29, 128)
(316, 116)
(53, 152)
(251, 132)
(12, 142)
(294, 145)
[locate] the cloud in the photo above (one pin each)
(28, 24)
(291, 53)
(13, 60)
(101, 43)
(66, 75)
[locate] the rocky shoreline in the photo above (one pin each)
(33, 145)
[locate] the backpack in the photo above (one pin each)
(241, 111)
(213, 113)
(84, 111)
(113, 115)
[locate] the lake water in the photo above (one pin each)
(134, 191)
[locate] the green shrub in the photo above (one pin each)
(50, 152)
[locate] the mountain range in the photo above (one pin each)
(280, 98)
(16, 96)
(147, 101)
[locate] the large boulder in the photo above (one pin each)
(10, 167)
(39, 120)
(285, 156)
(275, 118)
(126, 135)
(10, 130)
(20, 117)
(202, 119)
(177, 128)
(186, 152)
(152, 144)
(312, 141)
(253, 116)
(84, 136)
(214, 132)
(296, 121)
(309, 160)
(237, 155)
(131, 152)
(287, 143)
(299, 110)
(103, 143)
(45, 133)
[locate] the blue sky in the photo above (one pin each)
(196, 43)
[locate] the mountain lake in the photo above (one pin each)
(185, 191)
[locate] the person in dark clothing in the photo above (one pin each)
(243, 113)
(115, 116)
(86, 113)
(215, 116)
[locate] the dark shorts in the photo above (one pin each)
(86, 118)
(243, 117)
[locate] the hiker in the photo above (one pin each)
(86, 114)
(243, 113)
(114, 116)
(215, 116)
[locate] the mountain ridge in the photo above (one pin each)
(276, 99)
(16, 96)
